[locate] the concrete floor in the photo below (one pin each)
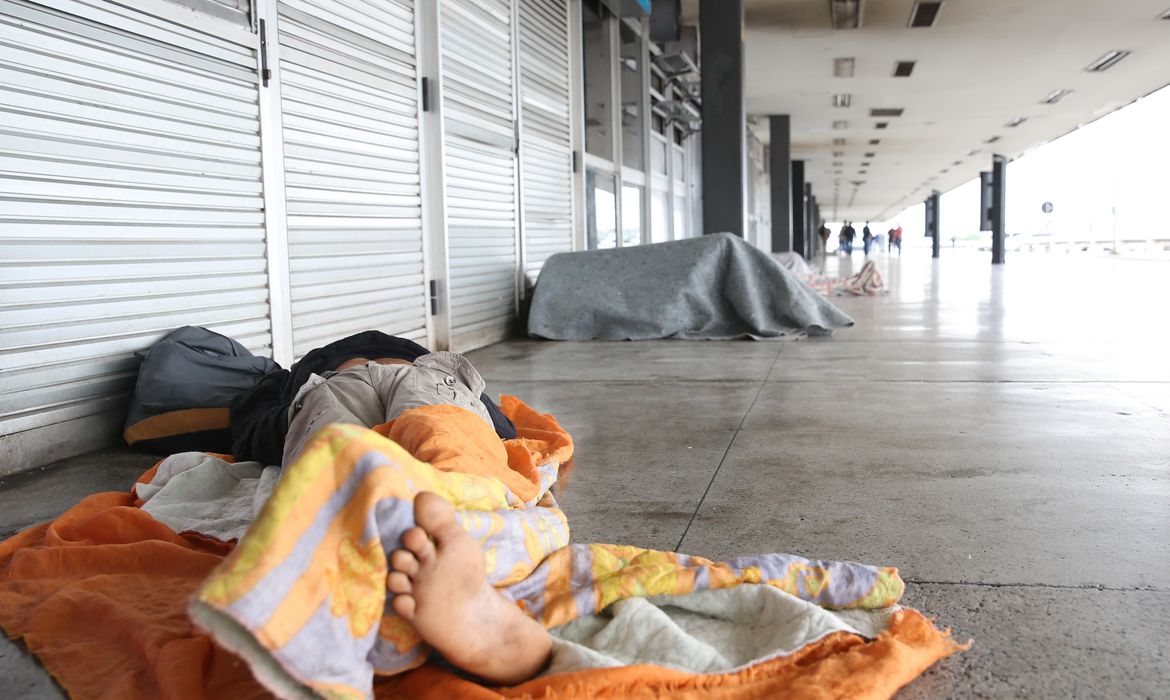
(1001, 435)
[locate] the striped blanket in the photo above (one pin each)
(309, 575)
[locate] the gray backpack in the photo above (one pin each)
(185, 385)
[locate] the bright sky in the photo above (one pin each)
(1114, 171)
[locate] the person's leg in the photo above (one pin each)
(440, 587)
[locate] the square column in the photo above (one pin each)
(724, 117)
(779, 167)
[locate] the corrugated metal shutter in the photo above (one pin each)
(130, 204)
(480, 169)
(546, 152)
(349, 95)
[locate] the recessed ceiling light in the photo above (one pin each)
(865, 164)
(881, 125)
(840, 124)
(944, 170)
(957, 162)
(903, 69)
(991, 139)
(843, 67)
(869, 155)
(838, 154)
(1055, 96)
(886, 112)
(843, 99)
(874, 142)
(862, 172)
(1106, 62)
(837, 164)
(973, 151)
(924, 13)
(838, 141)
(1016, 122)
(845, 14)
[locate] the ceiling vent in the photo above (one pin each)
(865, 163)
(845, 14)
(881, 125)
(838, 154)
(886, 112)
(870, 154)
(924, 14)
(843, 99)
(973, 151)
(1016, 122)
(1106, 62)
(843, 67)
(1055, 96)
(874, 142)
(840, 124)
(991, 139)
(903, 69)
(838, 141)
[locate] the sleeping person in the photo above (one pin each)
(438, 576)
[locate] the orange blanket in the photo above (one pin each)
(100, 596)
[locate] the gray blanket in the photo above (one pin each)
(715, 286)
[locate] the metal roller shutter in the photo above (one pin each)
(349, 97)
(546, 152)
(480, 169)
(130, 204)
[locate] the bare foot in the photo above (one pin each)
(440, 587)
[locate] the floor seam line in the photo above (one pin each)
(734, 434)
(1058, 586)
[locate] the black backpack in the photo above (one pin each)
(185, 385)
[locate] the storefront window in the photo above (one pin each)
(631, 215)
(658, 155)
(633, 98)
(597, 68)
(601, 210)
(659, 211)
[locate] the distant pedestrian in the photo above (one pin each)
(896, 239)
(824, 233)
(866, 238)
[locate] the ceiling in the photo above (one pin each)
(983, 64)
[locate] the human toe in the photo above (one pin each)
(398, 582)
(404, 560)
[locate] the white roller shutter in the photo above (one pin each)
(349, 96)
(130, 204)
(546, 153)
(479, 169)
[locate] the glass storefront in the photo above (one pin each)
(631, 215)
(597, 66)
(659, 216)
(633, 98)
(601, 208)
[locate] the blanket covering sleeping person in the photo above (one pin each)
(101, 594)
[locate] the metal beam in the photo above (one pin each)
(724, 117)
(998, 208)
(780, 165)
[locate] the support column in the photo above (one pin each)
(724, 117)
(809, 208)
(998, 208)
(798, 206)
(780, 164)
(936, 235)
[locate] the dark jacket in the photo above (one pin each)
(260, 417)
